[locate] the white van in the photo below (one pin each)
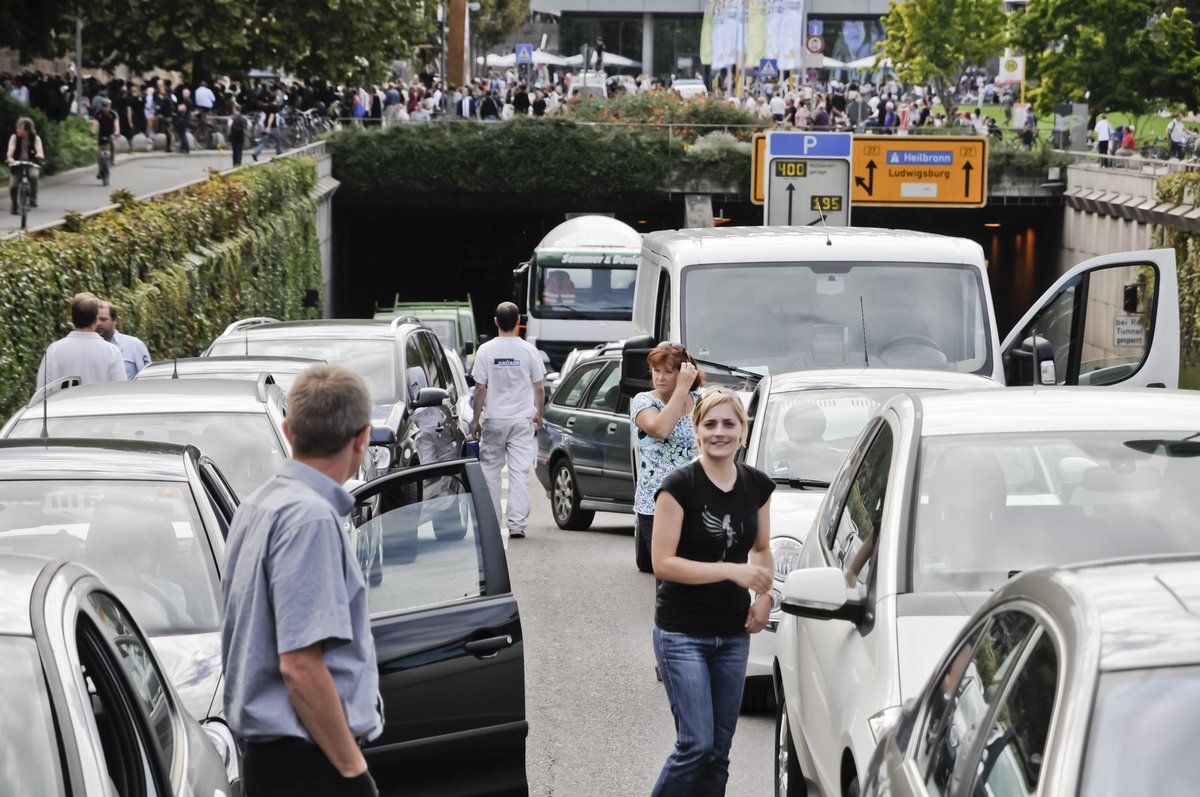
(795, 298)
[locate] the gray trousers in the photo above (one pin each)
(511, 440)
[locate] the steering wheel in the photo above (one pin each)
(911, 339)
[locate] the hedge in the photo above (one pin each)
(68, 144)
(560, 157)
(179, 267)
(1181, 188)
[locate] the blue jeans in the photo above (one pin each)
(703, 676)
(274, 135)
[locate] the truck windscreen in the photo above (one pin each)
(569, 286)
(793, 317)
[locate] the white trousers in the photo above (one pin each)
(511, 440)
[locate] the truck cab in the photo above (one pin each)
(577, 290)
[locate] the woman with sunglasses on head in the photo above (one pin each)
(665, 440)
(711, 549)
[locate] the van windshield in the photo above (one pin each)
(795, 317)
(587, 285)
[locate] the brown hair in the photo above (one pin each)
(327, 406)
(673, 355)
(84, 309)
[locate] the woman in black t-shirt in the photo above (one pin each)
(710, 548)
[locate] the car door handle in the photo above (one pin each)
(571, 421)
(612, 427)
(490, 646)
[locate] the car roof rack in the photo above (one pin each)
(57, 386)
(405, 319)
(246, 323)
(265, 380)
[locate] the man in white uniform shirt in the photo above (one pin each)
(82, 353)
(1104, 134)
(508, 412)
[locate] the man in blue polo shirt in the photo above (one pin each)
(133, 352)
(301, 684)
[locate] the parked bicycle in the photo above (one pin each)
(22, 171)
(1159, 149)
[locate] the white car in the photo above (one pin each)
(802, 424)
(943, 498)
(689, 88)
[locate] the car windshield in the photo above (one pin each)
(374, 359)
(991, 506)
(32, 764)
(245, 447)
(584, 285)
(144, 538)
(806, 433)
(445, 329)
(1143, 729)
(794, 317)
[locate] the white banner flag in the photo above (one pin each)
(791, 34)
(775, 46)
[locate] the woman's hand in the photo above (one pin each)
(759, 614)
(752, 577)
(685, 376)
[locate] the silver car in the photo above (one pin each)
(88, 708)
(1080, 680)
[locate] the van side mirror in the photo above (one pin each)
(520, 286)
(468, 347)
(1019, 368)
(635, 374)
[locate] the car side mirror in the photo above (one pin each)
(468, 347)
(1129, 298)
(820, 593)
(635, 374)
(429, 397)
(383, 436)
(1020, 367)
(470, 380)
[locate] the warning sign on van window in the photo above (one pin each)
(1128, 331)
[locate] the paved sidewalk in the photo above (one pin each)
(142, 173)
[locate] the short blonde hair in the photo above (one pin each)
(327, 406)
(715, 397)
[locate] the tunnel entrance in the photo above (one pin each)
(445, 251)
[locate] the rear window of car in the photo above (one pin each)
(374, 359)
(31, 760)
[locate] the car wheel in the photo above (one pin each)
(758, 695)
(789, 780)
(642, 550)
(564, 499)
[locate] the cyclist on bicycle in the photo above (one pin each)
(24, 145)
(104, 127)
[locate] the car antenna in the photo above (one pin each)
(863, 314)
(828, 240)
(45, 435)
(246, 342)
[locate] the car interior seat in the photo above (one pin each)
(967, 497)
(559, 288)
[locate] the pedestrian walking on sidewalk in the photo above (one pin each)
(237, 134)
(82, 353)
(270, 131)
(508, 375)
(665, 438)
(711, 548)
(301, 680)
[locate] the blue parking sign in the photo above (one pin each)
(768, 68)
(524, 53)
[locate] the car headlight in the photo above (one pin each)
(786, 553)
(222, 739)
(883, 720)
(382, 457)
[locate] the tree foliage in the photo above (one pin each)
(933, 42)
(1122, 55)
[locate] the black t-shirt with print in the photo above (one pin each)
(717, 527)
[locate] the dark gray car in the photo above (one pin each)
(583, 457)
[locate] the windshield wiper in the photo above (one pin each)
(733, 370)
(796, 483)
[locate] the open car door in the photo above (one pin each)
(1111, 320)
(447, 632)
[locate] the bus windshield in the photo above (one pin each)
(586, 285)
(794, 317)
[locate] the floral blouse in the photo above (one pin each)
(659, 457)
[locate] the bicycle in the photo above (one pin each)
(106, 158)
(1158, 149)
(24, 188)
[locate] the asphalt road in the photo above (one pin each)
(145, 173)
(599, 723)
